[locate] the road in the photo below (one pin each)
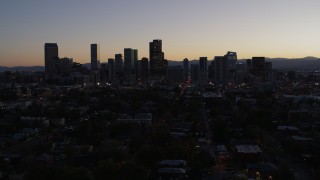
(209, 147)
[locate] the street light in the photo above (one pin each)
(257, 176)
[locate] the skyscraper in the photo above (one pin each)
(220, 69)
(118, 63)
(118, 66)
(51, 57)
(211, 71)
(258, 64)
(203, 69)
(231, 59)
(225, 67)
(240, 72)
(128, 68)
(135, 60)
(186, 68)
(195, 73)
(128, 60)
(144, 69)
(95, 56)
(111, 71)
(158, 65)
(66, 65)
(260, 68)
(203, 63)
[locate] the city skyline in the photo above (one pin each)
(190, 29)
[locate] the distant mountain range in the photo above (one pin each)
(307, 63)
(22, 68)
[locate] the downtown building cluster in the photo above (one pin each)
(124, 68)
(128, 69)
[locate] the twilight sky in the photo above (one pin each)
(188, 28)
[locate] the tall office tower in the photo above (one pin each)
(195, 73)
(225, 67)
(66, 65)
(104, 72)
(248, 65)
(118, 63)
(211, 71)
(203, 63)
(241, 72)
(203, 69)
(186, 68)
(144, 68)
(111, 69)
(261, 68)
(158, 65)
(220, 69)
(95, 56)
(128, 60)
(231, 58)
(135, 60)
(128, 68)
(258, 63)
(51, 58)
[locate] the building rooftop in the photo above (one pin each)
(172, 171)
(291, 128)
(299, 138)
(173, 163)
(248, 149)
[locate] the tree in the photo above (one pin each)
(119, 171)
(149, 156)
(161, 135)
(285, 173)
(40, 172)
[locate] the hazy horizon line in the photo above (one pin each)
(306, 57)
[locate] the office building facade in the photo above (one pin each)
(118, 63)
(195, 73)
(128, 67)
(95, 56)
(186, 68)
(225, 67)
(51, 57)
(135, 62)
(203, 69)
(158, 65)
(111, 69)
(144, 68)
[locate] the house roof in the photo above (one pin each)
(248, 149)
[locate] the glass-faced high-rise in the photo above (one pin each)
(225, 67)
(231, 59)
(135, 59)
(111, 69)
(158, 66)
(128, 60)
(118, 63)
(144, 70)
(203, 63)
(203, 68)
(95, 56)
(186, 68)
(128, 67)
(51, 57)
